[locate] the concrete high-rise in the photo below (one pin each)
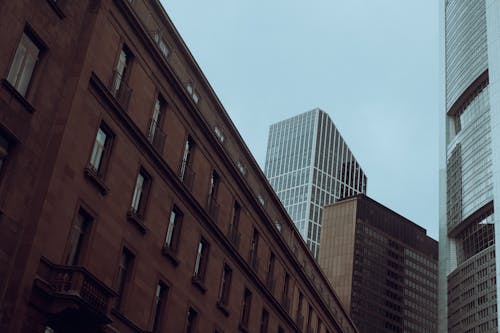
(469, 165)
(309, 165)
(383, 266)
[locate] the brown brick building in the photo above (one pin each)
(128, 200)
(383, 266)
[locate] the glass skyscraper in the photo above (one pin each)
(469, 165)
(309, 165)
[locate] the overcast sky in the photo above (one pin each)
(372, 65)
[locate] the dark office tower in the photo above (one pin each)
(383, 266)
(128, 200)
(469, 165)
(309, 165)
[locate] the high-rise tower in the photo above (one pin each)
(309, 165)
(469, 163)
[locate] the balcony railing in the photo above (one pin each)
(73, 288)
(187, 175)
(213, 208)
(156, 135)
(120, 89)
(234, 236)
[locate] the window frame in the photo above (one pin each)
(158, 310)
(171, 243)
(38, 43)
(74, 254)
(201, 261)
(122, 283)
(140, 199)
(105, 155)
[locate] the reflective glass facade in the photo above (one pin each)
(309, 165)
(467, 219)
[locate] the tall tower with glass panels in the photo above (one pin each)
(309, 165)
(469, 165)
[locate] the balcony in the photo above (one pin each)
(72, 295)
(234, 236)
(187, 175)
(120, 90)
(156, 136)
(213, 208)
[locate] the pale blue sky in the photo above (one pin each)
(371, 64)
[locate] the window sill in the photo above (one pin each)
(223, 308)
(17, 95)
(243, 327)
(96, 180)
(137, 221)
(170, 255)
(199, 284)
(53, 4)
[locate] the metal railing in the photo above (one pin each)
(187, 175)
(156, 135)
(213, 208)
(120, 89)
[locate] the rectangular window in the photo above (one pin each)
(101, 149)
(200, 264)
(254, 245)
(245, 308)
(155, 132)
(162, 45)
(186, 160)
(4, 150)
(173, 229)
(123, 277)
(121, 70)
(225, 285)
(192, 92)
(235, 219)
(264, 321)
(141, 192)
(270, 267)
(159, 304)
(24, 63)
(299, 307)
(212, 195)
(309, 319)
(191, 320)
(78, 237)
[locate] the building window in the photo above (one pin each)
(159, 304)
(192, 92)
(280, 329)
(24, 63)
(225, 285)
(212, 195)
(245, 308)
(264, 321)
(119, 88)
(234, 235)
(270, 282)
(4, 150)
(286, 286)
(173, 229)
(49, 329)
(186, 160)
(100, 151)
(200, 264)
(254, 245)
(155, 132)
(191, 320)
(160, 42)
(141, 192)
(78, 238)
(309, 319)
(123, 277)
(299, 310)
